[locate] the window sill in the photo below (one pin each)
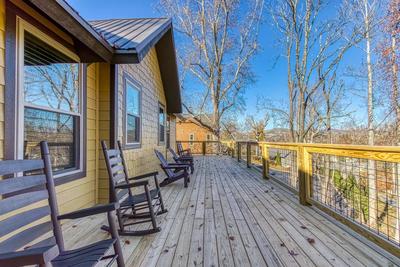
(69, 177)
(132, 146)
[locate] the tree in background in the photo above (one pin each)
(256, 127)
(313, 46)
(217, 40)
(390, 57)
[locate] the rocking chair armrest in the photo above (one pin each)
(183, 164)
(130, 185)
(32, 256)
(185, 158)
(176, 167)
(142, 176)
(89, 211)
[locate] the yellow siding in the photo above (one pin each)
(143, 159)
(82, 193)
(104, 128)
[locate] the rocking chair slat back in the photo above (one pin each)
(19, 201)
(115, 165)
(8, 186)
(22, 219)
(13, 166)
(25, 237)
(27, 198)
(164, 162)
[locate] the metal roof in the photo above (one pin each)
(131, 39)
(135, 35)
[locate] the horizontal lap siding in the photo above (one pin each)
(143, 159)
(82, 193)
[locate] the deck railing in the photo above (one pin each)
(357, 185)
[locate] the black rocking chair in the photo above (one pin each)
(131, 211)
(30, 182)
(174, 171)
(182, 159)
(183, 152)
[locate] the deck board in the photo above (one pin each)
(229, 216)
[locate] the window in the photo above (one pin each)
(168, 131)
(51, 105)
(191, 138)
(161, 124)
(132, 109)
(208, 137)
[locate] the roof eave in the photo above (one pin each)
(75, 25)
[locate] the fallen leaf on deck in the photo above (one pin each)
(127, 242)
(232, 238)
(311, 240)
(282, 244)
(291, 252)
(303, 227)
(74, 226)
(165, 250)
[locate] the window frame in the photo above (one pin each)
(136, 85)
(63, 176)
(161, 106)
(191, 141)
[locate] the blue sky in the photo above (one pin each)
(269, 83)
(270, 74)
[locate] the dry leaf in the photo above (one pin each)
(311, 240)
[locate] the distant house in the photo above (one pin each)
(75, 83)
(189, 129)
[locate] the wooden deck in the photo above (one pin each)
(229, 216)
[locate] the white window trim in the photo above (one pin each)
(158, 124)
(23, 26)
(191, 138)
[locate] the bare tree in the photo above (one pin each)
(314, 46)
(217, 40)
(256, 127)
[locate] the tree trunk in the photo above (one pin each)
(372, 193)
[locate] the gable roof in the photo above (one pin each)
(132, 39)
(133, 36)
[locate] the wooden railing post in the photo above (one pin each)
(204, 148)
(239, 151)
(304, 172)
(233, 149)
(265, 162)
(248, 153)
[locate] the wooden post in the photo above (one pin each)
(233, 149)
(304, 173)
(204, 148)
(265, 162)
(238, 152)
(248, 152)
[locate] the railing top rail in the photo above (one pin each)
(390, 149)
(395, 149)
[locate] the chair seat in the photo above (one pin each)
(85, 256)
(140, 198)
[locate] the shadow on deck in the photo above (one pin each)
(229, 216)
